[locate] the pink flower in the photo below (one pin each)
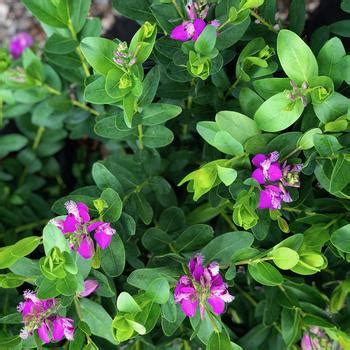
(41, 315)
(274, 178)
(19, 43)
(204, 285)
(315, 339)
(89, 287)
(268, 168)
(77, 227)
(192, 28)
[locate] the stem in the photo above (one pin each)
(246, 295)
(263, 21)
(232, 87)
(73, 101)
(85, 107)
(78, 50)
(78, 308)
(140, 130)
(229, 221)
(178, 9)
(290, 154)
(38, 137)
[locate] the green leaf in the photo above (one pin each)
(307, 140)
(341, 239)
(97, 318)
(194, 237)
(113, 257)
(297, 59)
(278, 113)
(219, 341)
(113, 83)
(226, 175)
(46, 12)
(53, 237)
(79, 10)
(290, 325)
(345, 5)
(138, 10)
(239, 126)
(224, 246)
(330, 60)
(96, 93)
(269, 87)
(25, 246)
(158, 291)
(157, 136)
(225, 143)
(340, 175)
(265, 274)
(11, 143)
(67, 285)
(104, 178)
(158, 113)
(126, 303)
(156, 240)
(332, 108)
(297, 16)
(60, 45)
(205, 43)
(326, 145)
(114, 203)
(99, 53)
(150, 86)
(285, 258)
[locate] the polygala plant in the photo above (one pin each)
(185, 190)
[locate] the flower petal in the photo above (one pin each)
(89, 287)
(274, 172)
(199, 25)
(94, 225)
(83, 212)
(86, 248)
(102, 239)
(57, 329)
(217, 305)
(43, 332)
(70, 224)
(258, 159)
(258, 175)
(182, 32)
(189, 307)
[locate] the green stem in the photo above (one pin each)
(78, 50)
(140, 131)
(38, 137)
(246, 295)
(263, 21)
(229, 221)
(290, 154)
(78, 308)
(85, 107)
(232, 87)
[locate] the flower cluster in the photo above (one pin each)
(204, 285)
(77, 227)
(315, 339)
(122, 56)
(19, 43)
(41, 315)
(275, 178)
(194, 26)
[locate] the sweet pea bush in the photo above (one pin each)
(185, 190)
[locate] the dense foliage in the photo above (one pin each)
(102, 242)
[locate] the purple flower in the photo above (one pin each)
(271, 197)
(192, 28)
(41, 315)
(204, 285)
(268, 168)
(89, 287)
(19, 43)
(78, 228)
(315, 339)
(274, 179)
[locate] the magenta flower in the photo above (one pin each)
(19, 43)
(268, 168)
(89, 287)
(315, 339)
(274, 179)
(78, 228)
(41, 315)
(194, 26)
(205, 285)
